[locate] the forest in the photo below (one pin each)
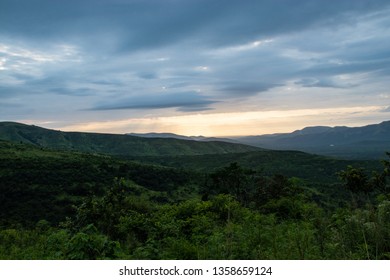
(61, 204)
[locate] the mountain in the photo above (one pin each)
(160, 135)
(367, 142)
(176, 136)
(113, 144)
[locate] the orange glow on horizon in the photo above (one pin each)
(232, 124)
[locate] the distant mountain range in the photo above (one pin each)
(176, 136)
(113, 144)
(366, 142)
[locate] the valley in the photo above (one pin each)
(99, 196)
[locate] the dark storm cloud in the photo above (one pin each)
(241, 89)
(321, 83)
(72, 92)
(179, 85)
(29, 86)
(147, 75)
(52, 84)
(194, 108)
(332, 69)
(185, 101)
(10, 91)
(9, 105)
(136, 24)
(7, 91)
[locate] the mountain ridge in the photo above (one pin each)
(113, 144)
(365, 142)
(178, 136)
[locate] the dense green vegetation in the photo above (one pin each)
(284, 205)
(38, 183)
(290, 163)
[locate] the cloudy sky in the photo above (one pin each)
(194, 67)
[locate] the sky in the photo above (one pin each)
(194, 67)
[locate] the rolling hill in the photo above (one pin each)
(113, 144)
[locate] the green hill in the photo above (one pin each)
(113, 144)
(39, 183)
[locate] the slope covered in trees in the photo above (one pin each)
(113, 144)
(38, 183)
(314, 168)
(71, 205)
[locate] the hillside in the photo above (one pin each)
(51, 181)
(113, 144)
(39, 183)
(73, 205)
(367, 142)
(313, 168)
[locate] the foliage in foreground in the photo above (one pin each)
(119, 225)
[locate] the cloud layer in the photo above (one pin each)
(63, 61)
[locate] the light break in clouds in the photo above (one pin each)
(216, 68)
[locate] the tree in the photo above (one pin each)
(233, 180)
(355, 179)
